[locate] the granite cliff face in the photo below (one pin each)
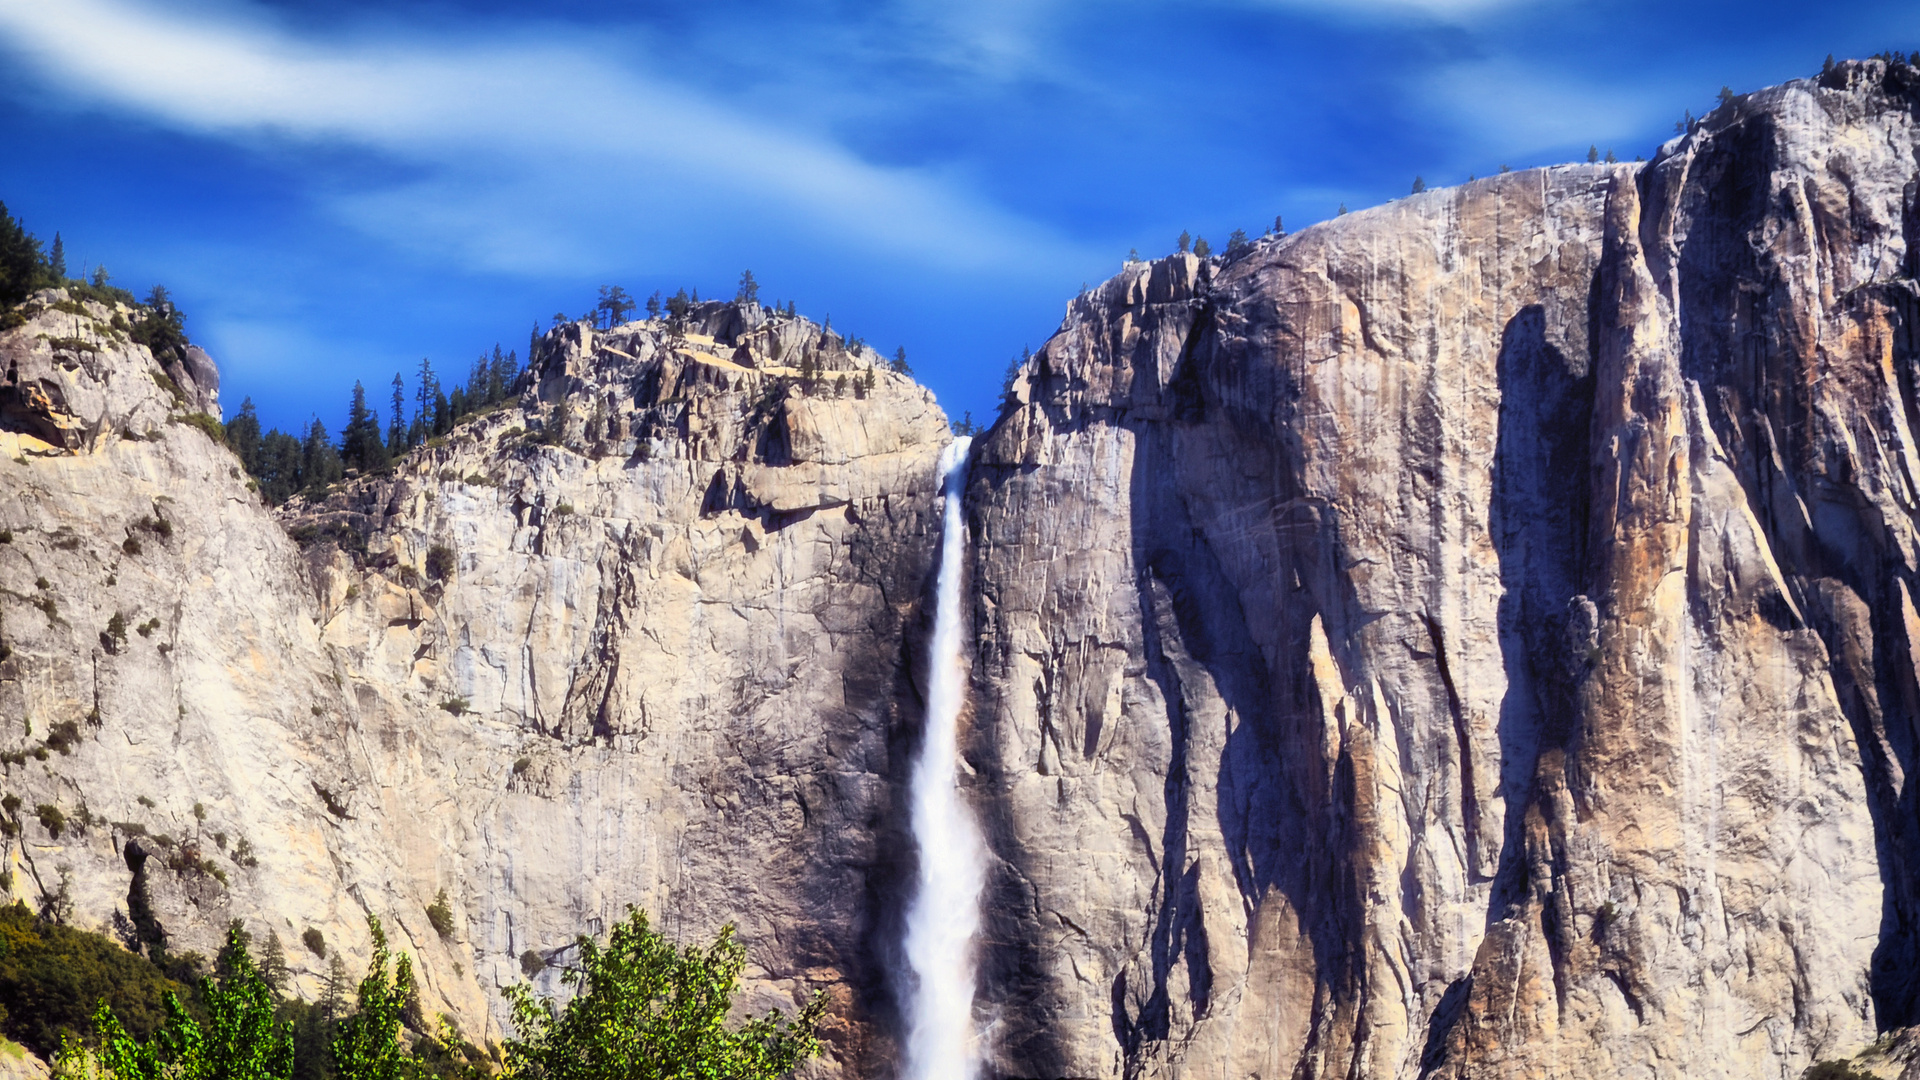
(1472, 637)
(644, 648)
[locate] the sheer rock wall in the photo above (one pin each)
(1472, 637)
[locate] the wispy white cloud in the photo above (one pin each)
(527, 153)
(1511, 108)
(1446, 11)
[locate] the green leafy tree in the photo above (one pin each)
(241, 1039)
(366, 1045)
(647, 1010)
(1202, 248)
(749, 292)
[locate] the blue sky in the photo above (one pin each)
(334, 190)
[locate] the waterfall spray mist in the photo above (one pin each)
(945, 911)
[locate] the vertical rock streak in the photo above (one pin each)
(945, 911)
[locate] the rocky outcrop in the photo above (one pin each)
(1472, 637)
(636, 638)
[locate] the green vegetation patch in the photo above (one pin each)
(52, 976)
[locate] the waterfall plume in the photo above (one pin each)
(945, 911)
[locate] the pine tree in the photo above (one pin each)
(397, 424)
(1419, 184)
(1186, 241)
(319, 461)
(653, 307)
(1237, 242)
(424, 388)
(273, 963)
(1726, 95)
(20, 266)
(749, 291)
(1202, 248)
(1279, 227)
(360, 444)
(57, 260)
(243, 435)
(900, 361)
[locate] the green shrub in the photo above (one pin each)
(63, 737)
(440, 915)
(563, 508)
(315, 942)
(51, 817)
(207, 423)
(521, 765)
(457, 706)
(440, 562)
(131, 545)
(165, 382)
(532, 963)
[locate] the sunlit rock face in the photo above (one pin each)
(1473, 636)
(647, 650)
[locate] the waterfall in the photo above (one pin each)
(945, 910)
